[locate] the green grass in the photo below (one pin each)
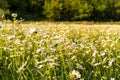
(50, 51)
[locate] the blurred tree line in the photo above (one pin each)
(62, 10)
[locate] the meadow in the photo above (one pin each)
(59, 51)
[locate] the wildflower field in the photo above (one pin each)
(59, 51)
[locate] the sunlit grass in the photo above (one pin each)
(59, 51)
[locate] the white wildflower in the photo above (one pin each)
(104, 78)
(41, 42)
(1, 25)
(79, 66)
(56, 37)
(112, 45)
(40, 66)
(70, 53)
(112, 78)
(3, 15)
(102, 53)
(81, 45)
(118, 56)
(53, 49)
(13, 56)
(22, 67)
(94, 53)
(38, 50)
(17, 41)
(104, 60)
(97, 64)
(22, 49)
(4, 48)
(14, 14)
(94, 50)
(11, 37)
(111, 62)
(45, 36)
(9, 65)
(73, 57)
(49, 59)
(34, 30)
(52, 64)
(54, 44)
(46, 60)
(30, 45)
(75, 74)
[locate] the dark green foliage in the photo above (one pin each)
(3, 8)
(63, 10)
(52, 9)
(67, 9)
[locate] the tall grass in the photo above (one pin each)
(59, 52)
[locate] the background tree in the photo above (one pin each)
(116, 9)
(3, 8)
(67, 9)
(63, 10)
(99, 7)
(28, 9)
(52, 9)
